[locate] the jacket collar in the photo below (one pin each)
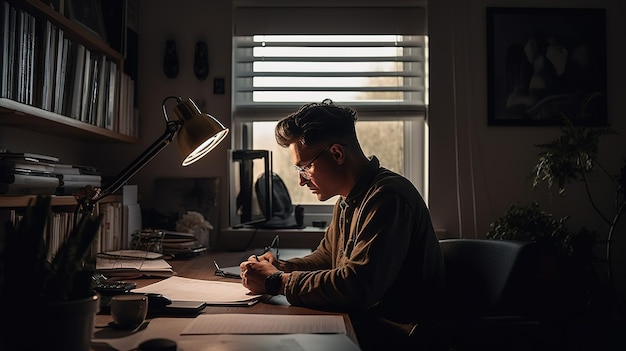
(364, 181)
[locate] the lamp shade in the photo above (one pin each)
(199, 133)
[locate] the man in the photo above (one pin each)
(379, 259)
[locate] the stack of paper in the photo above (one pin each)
(210, 292)
(180, 244)
(132, 263)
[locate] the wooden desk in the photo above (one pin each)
(202, 267)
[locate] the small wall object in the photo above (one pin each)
(201, 60)
(219, 86)
(170, 60)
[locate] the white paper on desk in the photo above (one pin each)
(170, 328)
(265, 324)
(211, 292)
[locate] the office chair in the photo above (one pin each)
(489, 296)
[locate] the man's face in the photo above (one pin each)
(317, 169)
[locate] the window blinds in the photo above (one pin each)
(373, 58)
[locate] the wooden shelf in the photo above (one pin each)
(16, 114)
(18, 201)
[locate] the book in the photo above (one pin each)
(26, 189)
(22, 184)
(78, 183)
(77, 86)
(25, 165)
(69, 79)
(29, 57)
(31, 66)
(86, 84)
(28, 177)
(83, 178)
(8, 175)
(28, 156)
(102, 87)
(42, 26)
(111, 104)
(20, 54)
(93, 88)
(59, 96)
(4, 45)
(63, 168)
(12, 48)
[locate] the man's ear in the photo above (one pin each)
(338, 153)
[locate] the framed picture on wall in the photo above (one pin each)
(88, 13)
(544, 64)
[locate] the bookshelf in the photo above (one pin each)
(40, 47)
(98, 108)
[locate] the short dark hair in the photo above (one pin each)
(315, 123)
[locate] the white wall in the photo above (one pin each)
(478, 171)
(185, 22)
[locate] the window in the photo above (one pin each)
(377, 66)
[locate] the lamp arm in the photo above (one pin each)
(87, 203)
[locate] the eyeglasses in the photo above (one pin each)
(304, 171)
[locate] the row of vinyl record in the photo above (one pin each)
(109, 237)
(43, 67)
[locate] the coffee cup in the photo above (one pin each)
(128, 311)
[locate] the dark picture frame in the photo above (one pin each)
(546, 63)
(88, 13)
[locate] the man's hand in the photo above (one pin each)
(254, 273)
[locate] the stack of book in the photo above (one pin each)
(23, 173)
(72, 178)
(179, 244)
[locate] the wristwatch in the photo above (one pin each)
(273, 283)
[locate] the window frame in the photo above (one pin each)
(415, 129)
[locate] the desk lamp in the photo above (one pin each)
(198, 134)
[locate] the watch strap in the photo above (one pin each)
(273, 282)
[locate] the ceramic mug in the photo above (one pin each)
(128, 311)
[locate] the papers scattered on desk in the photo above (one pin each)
(129, 267)
(265, 324)
(210, 292)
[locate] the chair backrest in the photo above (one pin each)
(488, 277)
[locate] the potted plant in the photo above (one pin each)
(570, 158)
(51, 293)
